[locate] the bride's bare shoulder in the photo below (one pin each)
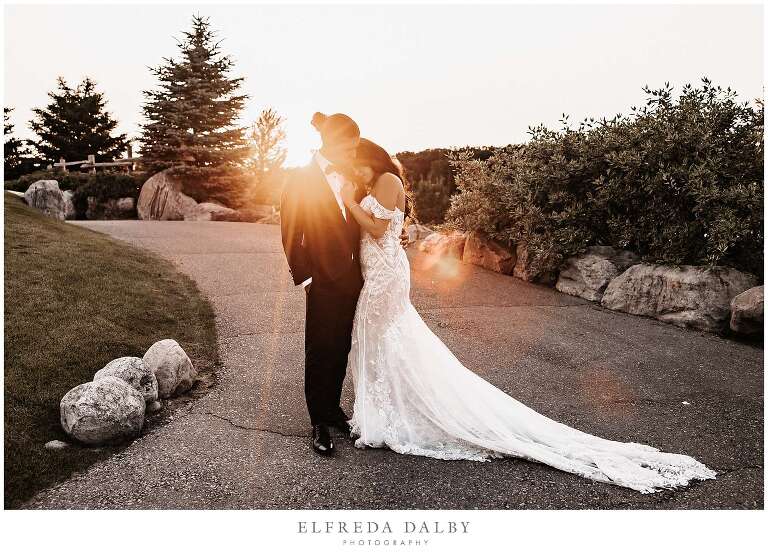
(387, 190)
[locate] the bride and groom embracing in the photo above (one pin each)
(342, 220)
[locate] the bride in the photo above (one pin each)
(414, 396)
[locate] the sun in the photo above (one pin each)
(299, 143)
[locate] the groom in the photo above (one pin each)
(322, 244)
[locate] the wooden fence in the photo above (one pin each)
(129, 163)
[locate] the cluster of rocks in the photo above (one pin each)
(711, 299)
(47, 197)
(162, 198)
(111, 408)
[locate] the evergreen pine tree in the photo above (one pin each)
(191, 116)
(75, 125)
(14, 149)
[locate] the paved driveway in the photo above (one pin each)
(246, 444)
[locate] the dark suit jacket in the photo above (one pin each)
(317, 240)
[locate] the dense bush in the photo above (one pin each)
(432, 181)
(107, 185)
(67, 180)
(679, 181)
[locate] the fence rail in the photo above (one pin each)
(128, 162)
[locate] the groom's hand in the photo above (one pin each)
(404, 238)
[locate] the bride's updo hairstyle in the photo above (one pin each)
(370, 154)
(334, 128)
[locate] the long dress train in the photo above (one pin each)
(414, 396)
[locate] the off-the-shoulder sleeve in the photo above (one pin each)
(378, 210)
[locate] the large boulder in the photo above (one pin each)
(110, 209)
(210, 211)
(444, 245)
(587, 275)
(482, 251)
(69, 205)
(172, 367)
(747, 312)
(688, 296)
(161, 198)
(418, 232)
(524, 268)
(132, 371)
(46, 196)
(104, 411)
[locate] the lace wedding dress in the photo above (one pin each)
(414, 396)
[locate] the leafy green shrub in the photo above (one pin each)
(678, 181)
(67, 180)
(432, 180)
(107, 185)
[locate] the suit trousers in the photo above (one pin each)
(327, 341)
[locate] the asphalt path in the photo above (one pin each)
(246, 445)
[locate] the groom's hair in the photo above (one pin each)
(334, 128)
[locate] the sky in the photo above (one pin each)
(412, 76)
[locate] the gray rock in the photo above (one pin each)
(444, 245)
(747, 312)
(104, 411)
(210, 211)
(69, 205)
(110, 209)
(172, 367)
(524, 267)
(481, 251)
(46, 196)
(56, 445)
(418, 232)
(588, 275)
(18, 194)
(161, 198)
(688, 296)
(132, 371)
(154, 406)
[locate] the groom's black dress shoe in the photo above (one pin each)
(343, 426)
(321, 439)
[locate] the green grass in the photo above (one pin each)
(74, 300)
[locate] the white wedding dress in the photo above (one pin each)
(414, 396)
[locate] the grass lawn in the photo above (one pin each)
(74, 300)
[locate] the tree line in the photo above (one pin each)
(190, 125)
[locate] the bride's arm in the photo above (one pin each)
(386, 193)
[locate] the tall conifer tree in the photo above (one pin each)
(75, 124)
(191, 116)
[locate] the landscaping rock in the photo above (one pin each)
(172, 367)
(69, 205)
(161, 198)
(747, 312)
(588, 275)
(132, 371)
(444, 245)
(154, 407)
(428, 244)
(688, 296)
(271, 219)
(524, 270)
(104, 411)
(482, 251)
(110, 209)
(56, 445)
(46, 196)
(418, 232)
(210, 211)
